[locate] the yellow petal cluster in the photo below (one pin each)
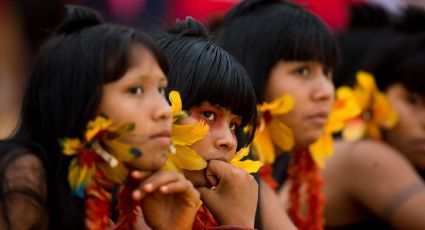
(272, 130)
(376, 111)
(182, 137)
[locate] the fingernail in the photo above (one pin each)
(164, 188)
(136, 195)
(135, 174)
(148, 187)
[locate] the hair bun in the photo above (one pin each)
(79, 17)
(189, 27)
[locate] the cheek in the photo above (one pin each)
(201, 147)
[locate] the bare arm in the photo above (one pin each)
(272, 213)
(382, 180)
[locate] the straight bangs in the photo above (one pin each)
(260, 34)
(120, 50)
(304, 38)
(206, 73)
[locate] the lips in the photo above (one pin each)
(163, 137)
(319, 118)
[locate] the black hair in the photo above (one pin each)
(402, 62)
(259, 33)
(64, 91)
(201, 71)
(411, 21)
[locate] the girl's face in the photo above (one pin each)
(310, 84)
(219, 143)
(139, 97)
(409, 134)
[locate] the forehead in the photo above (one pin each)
(206, 106)
(144, 63)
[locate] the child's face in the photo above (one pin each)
(409, 134)
(219, 143)
(138, 97)
(310, 84)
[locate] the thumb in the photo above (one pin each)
(208, 196)
(217, 168)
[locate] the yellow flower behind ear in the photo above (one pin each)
(182, 137)
(94, 127)
(272, 130)
(248, 165)
(376, 113)
(343, 109)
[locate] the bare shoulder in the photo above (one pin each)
(273, 214)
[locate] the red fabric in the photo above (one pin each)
(333, 12)
(201, 10)
(304, 171)
(266, 172)
(204, 219)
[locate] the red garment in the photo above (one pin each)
(266, 172)
(333, 12)
(201, 10)
(204, 219)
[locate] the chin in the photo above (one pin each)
(197, 178)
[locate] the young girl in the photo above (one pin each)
(90, 69)
(380, 184)
(286, 51)
(215, 89)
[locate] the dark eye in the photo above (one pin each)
(161, 90)
(328, 73)
(415, 100)
(303, 71)
(136, 90)
(234, 126)
(208, 115)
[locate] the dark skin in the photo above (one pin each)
(380, 179)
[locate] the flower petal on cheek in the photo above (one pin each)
(188, 134)
(187, 158)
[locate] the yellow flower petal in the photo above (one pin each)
(187, 158)
(354, 130)
(322, 149)
(383, 113)
(70, 146)
(169, 166)
(188, 134)
(248, 165)
(176, 102)
(264, 147)
(279, 106)
(241, 154)
(93, 127)
(366, 81)
(281, 134)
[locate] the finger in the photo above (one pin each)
(183, 187)
(140, 175)
(208, 195)
(153, 182)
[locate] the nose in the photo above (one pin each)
(226, 142)
(162, 110)
(323, 89)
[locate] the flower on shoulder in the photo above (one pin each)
(100, 150)
(376, 111)
(183, 136)
(272, 130)
(343, 109)
(248, 165)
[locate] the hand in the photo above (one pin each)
(168, 200)
(234, 200)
